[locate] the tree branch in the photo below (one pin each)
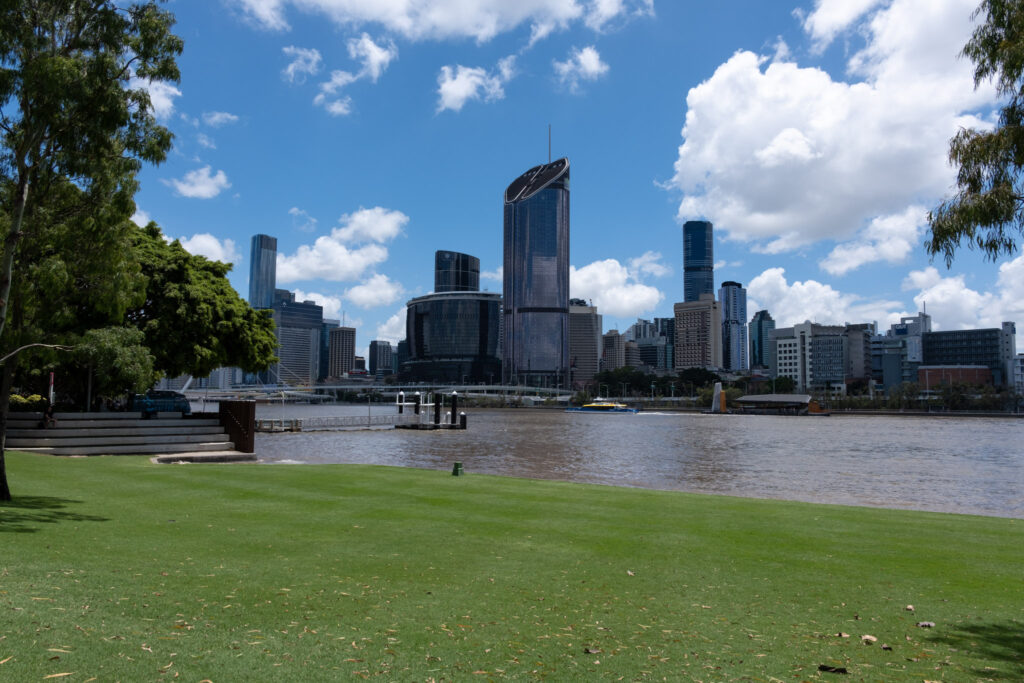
(15, 352)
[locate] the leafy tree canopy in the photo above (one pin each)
(192, 319)
(987, 210)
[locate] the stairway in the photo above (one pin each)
(116, 434)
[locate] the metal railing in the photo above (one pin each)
(312, 424)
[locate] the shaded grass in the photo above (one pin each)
(118, 569)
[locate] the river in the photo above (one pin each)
(942, 464)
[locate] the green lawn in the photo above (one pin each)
(114, 568)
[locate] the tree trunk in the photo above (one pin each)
(11, 247)
(6, 380)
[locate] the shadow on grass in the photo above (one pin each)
(1001, 642)
(24, 514)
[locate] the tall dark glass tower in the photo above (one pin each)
(733, 299)
(455, 272)
(535, 347)
(262, 271)
(698, 260)
(760, 354)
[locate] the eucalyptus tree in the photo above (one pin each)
(987, 208)
(74, 108)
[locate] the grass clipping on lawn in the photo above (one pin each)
(117, 569)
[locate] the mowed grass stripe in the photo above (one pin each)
(119, 569)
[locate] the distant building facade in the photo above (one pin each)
(992, 348)
(698, 330)
(733, 300)
(299, 327)
(760, 351)
(342, 351)
(698, 260)
(262, 271)
(535, 349)
(380, 358)
(455, 272)
(584, 343)
(453, 337)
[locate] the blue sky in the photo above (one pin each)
(366, 134)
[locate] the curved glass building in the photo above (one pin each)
(455, 272)
(453, 337)
(535, 347)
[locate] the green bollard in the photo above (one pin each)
(457, 469)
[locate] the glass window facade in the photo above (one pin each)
(455, 272)
(453, 337)
(535, 351)
(698, 260)
(262, 271)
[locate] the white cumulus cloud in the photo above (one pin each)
(458, 85)
(442, 19)
(348, 252)
(378, 290)
(393, 329)
(141, 218)
(582, 65)
(161, 96)
(609, 285)
(886, 238)
(330, 304)
(201, 183)
(219, 118)
(305, 62)
(649, 263)
(205, 244)
(782, 156)
(794, 303)
(374, 59)
(371, 225)
(301, 220)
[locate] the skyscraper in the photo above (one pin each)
(262, 271)
(698, 260)
(760, 325)
(343, 351)
(455, 272)
(536, 288)
(733, 299)
(584, 342)
(698, 329)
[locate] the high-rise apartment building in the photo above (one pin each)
(698, 260)
(698, 329)
(262, 271)
(760, 351)
(536, 270)
(342, 351)
(584, 343)
(455, 272)
(733, 300)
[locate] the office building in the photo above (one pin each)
(584, 343)
(455, 272)
(453, 334)
(380, 358)
(733, 300)
(613, 350)
(698, 330)
(262, 271)
(992, 348)
(1018, 374)
(535, 348)
(299, 329)
(897, 354)
(812, 355)
(342, 351)
(698, 260)
(760, 351)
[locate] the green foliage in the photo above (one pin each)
(784, 385)
(31, 403)
(192, 319)
(698, 377)
(988, 207)
(117, 358)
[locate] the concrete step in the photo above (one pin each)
(77, 432)
(117, 423)
(88, 441)
(144, 449)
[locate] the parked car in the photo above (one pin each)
(161, 401)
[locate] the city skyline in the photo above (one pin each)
(362, 141)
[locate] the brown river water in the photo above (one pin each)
(942, 464)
